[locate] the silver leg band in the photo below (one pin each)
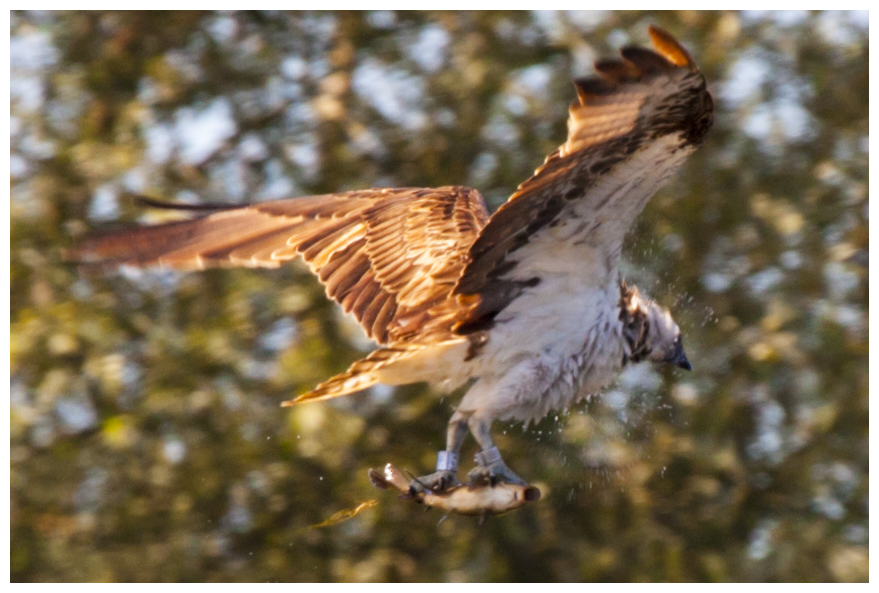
(447, 461)
(488, 456)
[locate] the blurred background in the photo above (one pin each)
(146, 439)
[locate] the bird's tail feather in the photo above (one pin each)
(359, 376)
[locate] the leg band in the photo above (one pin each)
(446, 461)
(487, 457)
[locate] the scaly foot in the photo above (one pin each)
(435, 482)
(492, 467)
(445, 476)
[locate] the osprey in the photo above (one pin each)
(527, 302)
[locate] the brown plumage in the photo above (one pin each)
(386, 255)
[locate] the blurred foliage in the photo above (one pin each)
(146, 439)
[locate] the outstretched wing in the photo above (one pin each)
(634, 125)
(387, 255)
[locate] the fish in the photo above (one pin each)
(479, 498)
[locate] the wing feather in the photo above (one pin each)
(361, 295)
(633, 126)
(383, 318)
(350, 271)
(375, 250)
(343, 261)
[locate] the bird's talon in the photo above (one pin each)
(435, 482)
(496, 473)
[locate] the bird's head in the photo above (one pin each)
(649, 330)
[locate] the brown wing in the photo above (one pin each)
(387, 255)
(634, 125)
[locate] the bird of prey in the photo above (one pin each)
(527, 302)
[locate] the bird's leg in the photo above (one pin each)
(446, 474)
(489, 463)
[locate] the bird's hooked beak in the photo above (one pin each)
(678, 358)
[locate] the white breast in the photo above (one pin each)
(553, 345)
